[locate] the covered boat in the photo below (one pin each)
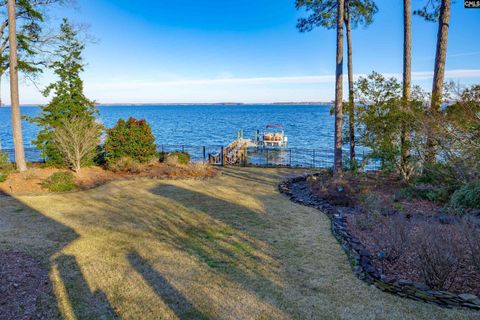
(274, 136)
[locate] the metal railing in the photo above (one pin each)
(264, 157)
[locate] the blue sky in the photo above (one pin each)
(245, 51)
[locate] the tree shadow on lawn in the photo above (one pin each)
(263, 178)
(232, 214)
(176, 301)
(225, 242)
(25, 230)
(84, 303)
(215, 231)
(266, 176)
(212, 231)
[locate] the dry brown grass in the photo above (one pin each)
(230, 247)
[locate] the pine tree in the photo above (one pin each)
(437, 10)
(14, 94)
(68, 100)
(406, 169)
(32, 42)
(23, 18)
(323, 13)
(337, 166)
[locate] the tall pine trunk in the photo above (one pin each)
(339, 89)
(1, 101)
(439, 72)
(351, 101)
(15, 101)
(407, 80)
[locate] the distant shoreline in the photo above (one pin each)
(196, 104)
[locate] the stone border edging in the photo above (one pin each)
(363, 267)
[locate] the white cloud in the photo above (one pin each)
(473, 73)
(227, 88)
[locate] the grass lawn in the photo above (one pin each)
(230, 247)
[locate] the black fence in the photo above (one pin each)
(31, 155)
(265, 157)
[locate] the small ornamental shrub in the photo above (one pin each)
(472, 235)
(467, 197)
(5, 167)
(199, 169)
(60, 182)
(432, 193)
(181, 157)
(407, 193)
(132, 138)
(3, 159)
(4, 175)
(391, 237)
(172, 160)
(124, 164)
(440, 254)
(436, 183)
(77, 139)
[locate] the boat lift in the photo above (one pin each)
(236, 152)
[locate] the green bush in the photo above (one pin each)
(406, 193)
(438, 174)
(5, 167)
(182, 157)
(3, 159)
(60, 182)
(373, 209)
(436, 183)
(467, 197)
(432, 193)
(132, 138)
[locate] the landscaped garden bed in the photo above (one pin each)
(397, 240)
(36, 179)
(77, 160)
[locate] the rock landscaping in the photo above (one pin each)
(364, 263)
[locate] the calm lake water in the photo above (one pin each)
(310, 130)
(307, 126)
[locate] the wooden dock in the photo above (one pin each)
(234, 153)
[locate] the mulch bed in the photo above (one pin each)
(24, 287)
(342, 206)
(349, 194)
(30, 182)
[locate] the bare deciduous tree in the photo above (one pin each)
(76, 139)
(439, 254)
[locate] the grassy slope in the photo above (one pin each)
(230, 247)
